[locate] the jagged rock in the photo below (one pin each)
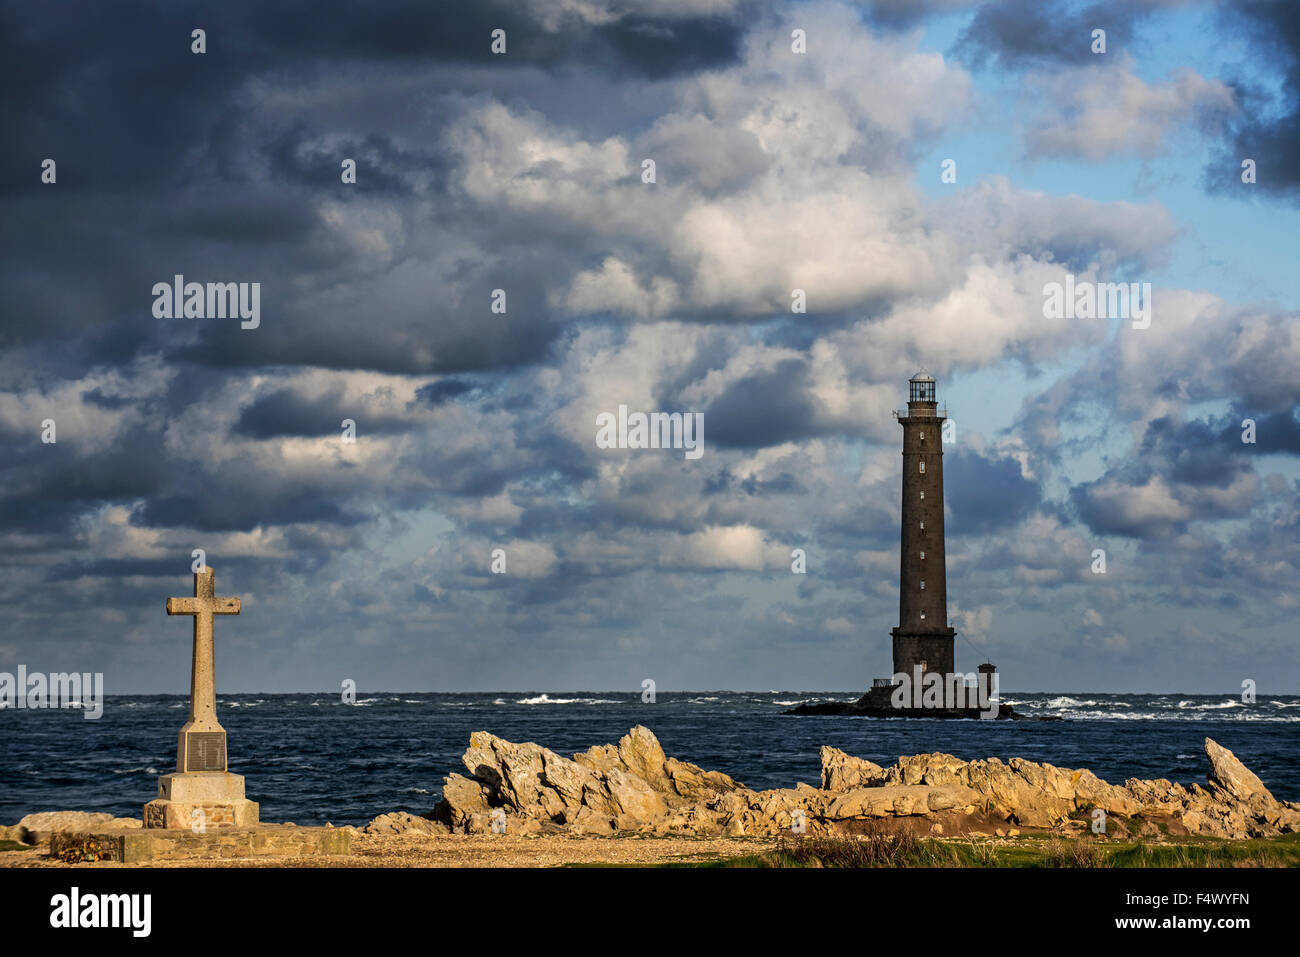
(842, 772)
(463, 797)
(1160, 795)
(642, 755)
(402, 822)
(585, 820)
(636, 800)
(692, 783)
(633, 786)
(569, 779)
(1232, 776)
(899, 800)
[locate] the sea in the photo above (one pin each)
(312, 759)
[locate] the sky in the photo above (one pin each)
(775, 169)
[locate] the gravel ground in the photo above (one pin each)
(465, 851)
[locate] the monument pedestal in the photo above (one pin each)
(206, 799)
(143, 845)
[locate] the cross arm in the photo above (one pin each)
(197, 606)
(183, 606)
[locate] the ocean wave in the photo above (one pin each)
(1065, 701)
(547, 699)
(1184, 716)
(1218, 706)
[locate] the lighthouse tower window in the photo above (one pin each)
(923, 526)
(922, 614)
(922, 584)
(922, 496)
(923, 556)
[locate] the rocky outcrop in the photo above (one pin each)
(403, 822)
(842, 771)
(634, 787)
(1231, 777)
(37, 828)
(629, 786)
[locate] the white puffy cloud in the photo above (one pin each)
(1104, 109)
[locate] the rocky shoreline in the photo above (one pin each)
(633, 789)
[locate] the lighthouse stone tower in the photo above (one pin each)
(923, 642)
(922, 637)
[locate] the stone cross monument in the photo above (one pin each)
(202, 793)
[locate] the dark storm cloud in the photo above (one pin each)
(1195, 452)
(902, 14)
(427, 328)
(658, 50)
(1278, 432)
(1211, 453)
(725, 483)
(244, 508)
(1204, 468)
(1018, 33)
(118, 568)
(987, 493)
(1267, 132)
(289, 413)
(47, 488)
(169, 161)
(384, 167)
(784, 483)
(116, 92)
(866, 523)
(442, 391)
(764, 408)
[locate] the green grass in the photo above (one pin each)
(16, 846)
(906, 850)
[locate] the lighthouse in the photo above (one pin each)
(922, 637)
(925, 683)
